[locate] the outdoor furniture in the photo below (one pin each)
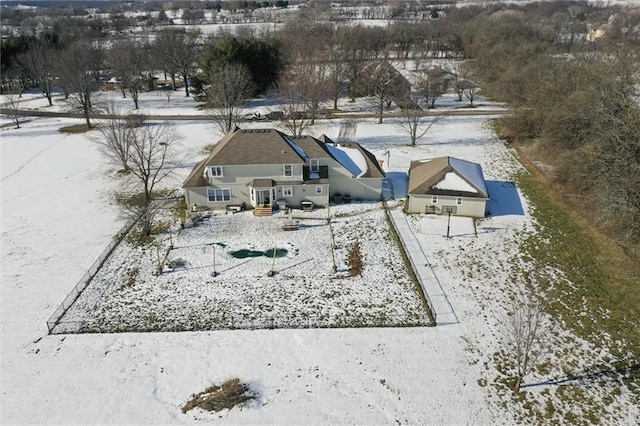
(291, 226)
(234, 208)
(307, 206)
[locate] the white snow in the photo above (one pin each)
(58, 215)
(471, 171)
(350, 158)
(297, 148)
(453, 182)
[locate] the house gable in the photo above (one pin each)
(196, 178)
(256, 146)
(447, 176)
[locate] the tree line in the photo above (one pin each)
(574, 95)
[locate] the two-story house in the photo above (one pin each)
(259, 168)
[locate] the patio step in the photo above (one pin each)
(262, 211)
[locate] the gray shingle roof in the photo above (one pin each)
(424, 175)
(270, 146)
(254, 146)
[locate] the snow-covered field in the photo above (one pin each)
(58, 215)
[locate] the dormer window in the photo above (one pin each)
(216, 171)
(287, 170)
(314, 165)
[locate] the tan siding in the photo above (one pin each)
(358, 189)
(246, 173)
(342, 182)
(473, 207)
(304, 193)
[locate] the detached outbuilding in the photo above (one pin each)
(447, 185)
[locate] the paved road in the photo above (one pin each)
(349, 115)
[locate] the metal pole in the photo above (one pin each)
(214, 273)
(272, 272)
(448, 223)
(159, 263)
(273, 262)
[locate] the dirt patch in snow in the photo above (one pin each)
(218, 398)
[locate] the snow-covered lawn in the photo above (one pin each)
(58, 215)
(128, 294)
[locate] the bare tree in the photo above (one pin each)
(382, 84)
(468, 89)
(525, 333)
(431, 89)
(230, 88)
(97, 58)
(352, 56)
(115, 137)
(39, 64)
(74, 67)
(128, 61)
(168, 94)
(413, 121)
(12, 102)
(150, 157)
(337, 73)
(185, 56)
(165, 48)
(144, 212)
(297, 109)
(309, 70)
(151, 154)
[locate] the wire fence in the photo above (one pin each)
(68, 301)
(218, 321)
(239, 322)
(410, 262)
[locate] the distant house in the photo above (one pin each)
(439, 78)
(112, 84)
(264, 168)
(149, 83)
(381, 75)
(447, 185)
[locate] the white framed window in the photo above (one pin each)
(219, 194)
(287, 170)
(216, 171)
(318, 190)
(315, 165)
(434, 200)
(459, 201)
(287, 191)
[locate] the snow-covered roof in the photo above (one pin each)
(447, 176)
(471, 171)
(453, 182)
(296, 147)
(350, 158)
